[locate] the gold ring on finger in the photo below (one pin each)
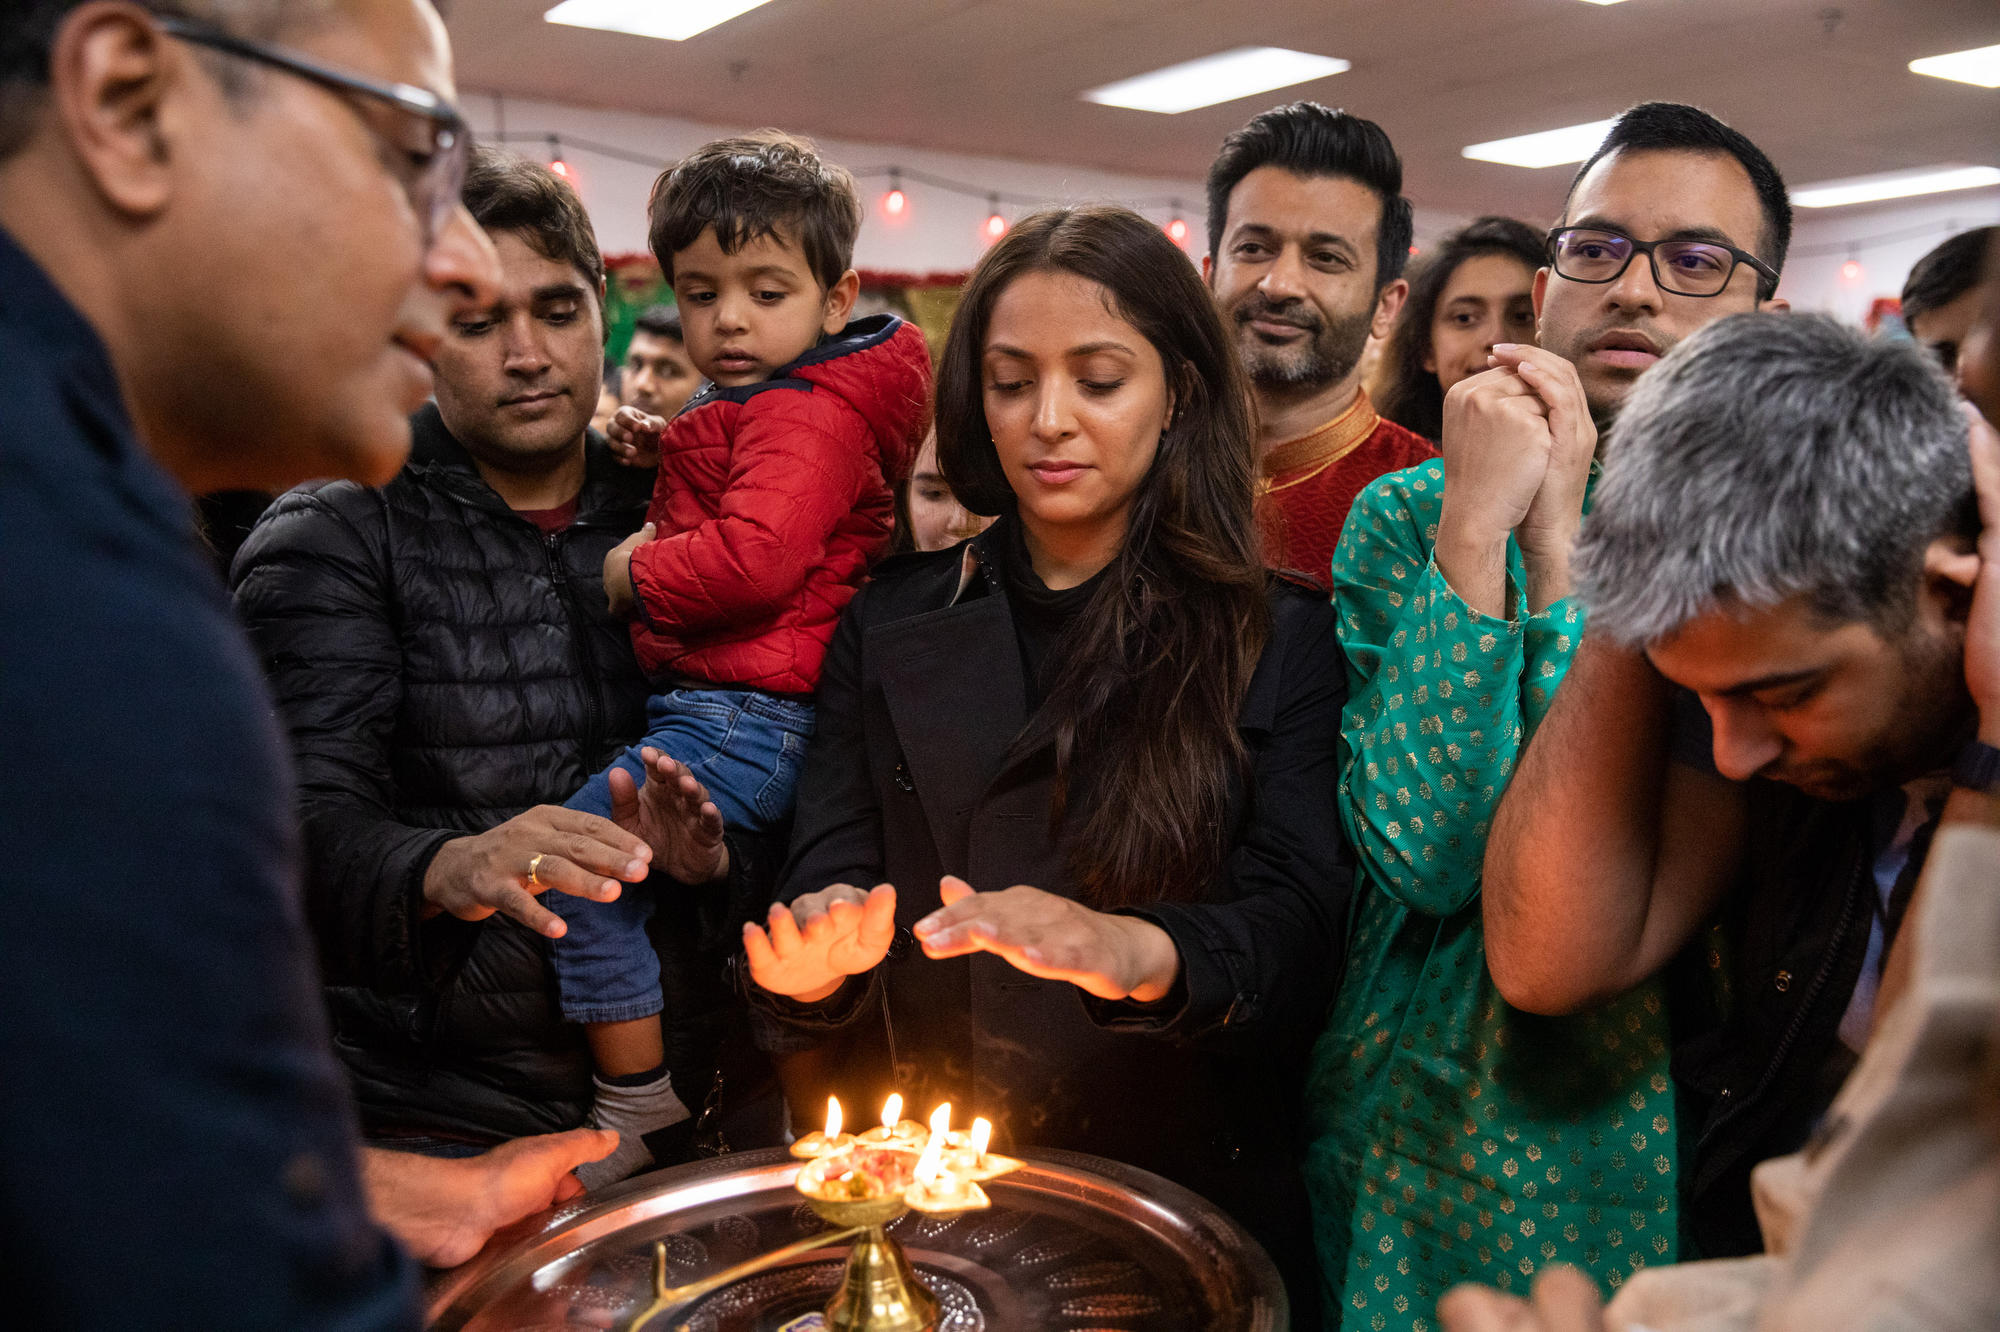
(534, 869)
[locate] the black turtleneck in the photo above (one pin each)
(1042, 614)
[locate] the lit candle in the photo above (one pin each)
(894, 1130)
(930, 1165)
(936, 1188)
(969, 1158)
(827, 1141)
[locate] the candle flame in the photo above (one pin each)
(832, 1118)
(982, 1133)
(941, 1121)
(892, 1110)
(930, 1166)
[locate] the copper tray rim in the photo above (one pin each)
(1166, 1210)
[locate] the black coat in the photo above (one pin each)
(1759, 1069)
(442, 666)
(908, 779)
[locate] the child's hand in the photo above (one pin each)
(635, 437)
(618, 571)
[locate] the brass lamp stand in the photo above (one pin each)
(879, 1290)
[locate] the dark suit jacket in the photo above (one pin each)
(915, 772)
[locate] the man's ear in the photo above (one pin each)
(1538, 292)
(603, 321)
(1777, 303)
(1951, 567)
(840, 299)
(118, 89)
(1388, 303)
(1208, 270)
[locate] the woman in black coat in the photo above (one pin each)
(1092, 750)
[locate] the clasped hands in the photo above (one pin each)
(807, 950)
(1518, 441)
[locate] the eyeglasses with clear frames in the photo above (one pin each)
(431, 176)
(1683, 267)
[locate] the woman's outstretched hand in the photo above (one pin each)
(805, 951)
(1112, 957)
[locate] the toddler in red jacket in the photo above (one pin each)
(773, 498)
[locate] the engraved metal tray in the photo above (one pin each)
(1072, 1243)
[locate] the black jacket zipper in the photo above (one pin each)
(586, 658)
(1820, 980)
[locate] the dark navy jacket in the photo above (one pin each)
(176, 1144)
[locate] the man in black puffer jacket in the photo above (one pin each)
(448, 669)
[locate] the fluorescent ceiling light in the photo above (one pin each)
(1894, 185)
(1979, 66)
(1573, 143)
(1604, 2)
(670, 20)
(1217, 78)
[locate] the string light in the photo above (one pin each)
(995, 225)
(556, 163)
(895, 203)
(1177, 229)
(1851, 271)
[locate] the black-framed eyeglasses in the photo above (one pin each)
(1683, 267)
(432, 175)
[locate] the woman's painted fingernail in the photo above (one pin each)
(924, 926)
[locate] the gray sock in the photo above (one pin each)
(634, 1112)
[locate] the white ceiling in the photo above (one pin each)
(1821, 85)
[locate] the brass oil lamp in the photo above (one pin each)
(858, 1184)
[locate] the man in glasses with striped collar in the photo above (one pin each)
(230, 243)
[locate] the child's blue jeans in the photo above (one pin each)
(746, 747)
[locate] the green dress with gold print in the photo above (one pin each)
(1455, 1138)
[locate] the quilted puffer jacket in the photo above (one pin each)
(772, 501)
(442, 665)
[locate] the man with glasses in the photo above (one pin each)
(227, 256)
(1778, 767)
(1452, 1138)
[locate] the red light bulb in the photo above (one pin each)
(1851, 270)
(994, 228)
(1177, 231)
(895, 202)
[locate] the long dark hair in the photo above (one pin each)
(1153, 671)
(1414, 399)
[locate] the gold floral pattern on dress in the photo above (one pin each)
(1455, 1138)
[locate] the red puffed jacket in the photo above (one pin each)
(772, 501)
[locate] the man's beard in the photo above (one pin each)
(1329, 353)
(1926, 725)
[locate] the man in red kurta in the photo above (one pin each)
(1308, 233)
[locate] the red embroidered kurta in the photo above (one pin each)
(1308, 484)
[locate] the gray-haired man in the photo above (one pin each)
(1785, 530)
